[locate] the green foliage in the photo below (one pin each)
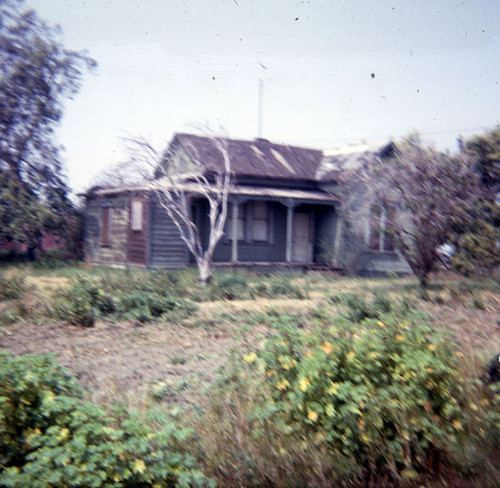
(381, 392)
(87, 299)
(476, 238)
(82, 303)
(230, 286)
(485, 149)
(282, 285)
(50, 437)
(33, 193)
(11, 288)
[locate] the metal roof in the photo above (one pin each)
(257, 158)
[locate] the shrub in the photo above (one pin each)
(230, 286)
(50, 438)
(83, 302)
(383, 397)
(11, 288)
(146, 306)
(281, 285)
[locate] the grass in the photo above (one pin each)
(171, 359)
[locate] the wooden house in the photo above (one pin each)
(287, 207)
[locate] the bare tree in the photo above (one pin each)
(177, 181)
(431, 190)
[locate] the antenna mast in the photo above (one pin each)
(261, 104)
(261, 107)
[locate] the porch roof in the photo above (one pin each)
(284, 193)
(261, 192)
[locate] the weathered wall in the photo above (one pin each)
(261, 252)
(116, 251)
(166, 249)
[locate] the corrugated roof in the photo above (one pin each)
(243, 190)
(256, 158)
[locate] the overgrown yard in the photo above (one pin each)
(144, 339)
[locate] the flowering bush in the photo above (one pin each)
(51, 437)
(385, 394)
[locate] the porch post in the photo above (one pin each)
(338, 238)
(234, 231)
(289, 232)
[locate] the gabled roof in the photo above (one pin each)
(256, 158)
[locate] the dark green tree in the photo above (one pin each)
(37, 74)
(485, 150)
(477, 235)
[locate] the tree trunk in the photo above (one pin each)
(205, 271)
(423, 279)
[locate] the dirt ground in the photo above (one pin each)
(129, 362)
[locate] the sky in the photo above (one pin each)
(334, 72)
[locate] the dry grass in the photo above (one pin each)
(127, 361)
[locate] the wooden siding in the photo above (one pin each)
(115, 250)
(166, 249)
(272, 252)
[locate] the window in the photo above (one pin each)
(260, 221)
(241, 224)
(136, 214)
(106, 215)
(254, 222)
(381, 236)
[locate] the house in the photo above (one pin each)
(284, 209)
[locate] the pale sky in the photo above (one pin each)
(169, 66)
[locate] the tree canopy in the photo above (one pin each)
(37, 74)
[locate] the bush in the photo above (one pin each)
(83, 302)
(230, 286)
(281, 285)
(12, 288)
(50, 438)
(146, 306)
(384, 398)
(87, 299)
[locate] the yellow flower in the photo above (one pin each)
(327, 348)
(312, 415)
(400, 337)
(380, 323)
(250, 358)
(139, 466)
(303, 384)
(330, 410)
(432, 347)
(350, 355)
(457, 425)
(332, 389)
(282, 384)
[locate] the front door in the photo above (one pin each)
(303, 232)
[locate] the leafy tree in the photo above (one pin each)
(36, 75)
(431, 189)
(485, 150)
(477, 236)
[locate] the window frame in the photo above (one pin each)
(380, 237)
(247, 218)
(136, 215)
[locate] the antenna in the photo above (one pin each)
(261, 104)
(261, 107)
